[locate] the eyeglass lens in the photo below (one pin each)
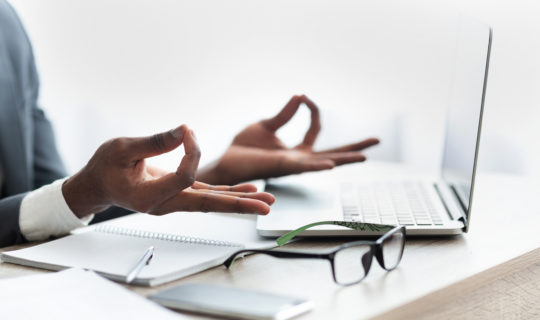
(352, 264)
(392, 249)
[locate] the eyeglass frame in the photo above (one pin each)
(375, 250)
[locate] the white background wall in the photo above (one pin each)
(118, 67)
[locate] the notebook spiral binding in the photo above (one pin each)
(163, 236)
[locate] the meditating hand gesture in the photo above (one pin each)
(117, 174)
(257, 153)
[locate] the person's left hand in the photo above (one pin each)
(257, 153)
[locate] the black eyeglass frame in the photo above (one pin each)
(376, 250)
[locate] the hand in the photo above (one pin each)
(257, 153)
(117, 174)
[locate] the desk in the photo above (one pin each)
(491, 272)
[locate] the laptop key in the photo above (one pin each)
(406, 223)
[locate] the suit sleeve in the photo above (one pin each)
(46, 165)
(17, 55)
(10, 233)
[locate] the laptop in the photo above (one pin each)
(440, 206)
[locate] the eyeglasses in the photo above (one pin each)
(351, 261)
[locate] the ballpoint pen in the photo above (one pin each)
(143, 261)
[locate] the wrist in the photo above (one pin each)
(82, 197)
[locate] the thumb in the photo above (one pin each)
(146, 147)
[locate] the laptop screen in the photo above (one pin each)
(465, 108)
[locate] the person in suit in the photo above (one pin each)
(39, 200)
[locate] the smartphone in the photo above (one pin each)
(231, 302)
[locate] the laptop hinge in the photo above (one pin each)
(464, 220)
(463, 217)
(451, 202)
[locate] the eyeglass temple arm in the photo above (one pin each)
(349, 224)
(277, 254)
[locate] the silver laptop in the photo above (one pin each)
(441, 206)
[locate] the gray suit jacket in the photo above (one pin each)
(28, 152)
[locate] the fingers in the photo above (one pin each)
(244, 187)
(261, 196)
(145, 147)
(278, 121)
(340, 158)
(353, 147)
(273, 124)
(316, 162)
(172, 183)
(190, 161)
(212, 202)
(306, 165)
(315, 125)
(245, 190)
(289, 111)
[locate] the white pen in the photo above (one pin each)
(143, 261)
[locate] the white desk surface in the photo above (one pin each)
(505, 225)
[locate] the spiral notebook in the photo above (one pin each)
(112, 250)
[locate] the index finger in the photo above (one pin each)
(315, 125)
(290, 109)
(170, 184)
(280, 119)
(190, 161)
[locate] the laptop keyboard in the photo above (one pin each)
(403, 203)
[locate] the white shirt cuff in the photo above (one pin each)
(45, 213)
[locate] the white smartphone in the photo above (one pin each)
(231, 302)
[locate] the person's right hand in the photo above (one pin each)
(117, 175)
